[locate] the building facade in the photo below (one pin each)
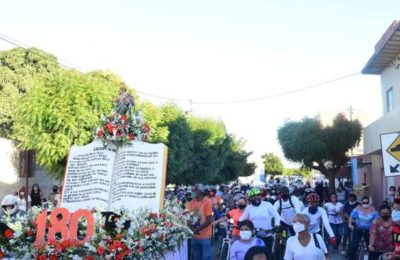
(384, 62)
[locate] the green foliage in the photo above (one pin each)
(61, 112)
(272, 164)
(20, 69)
(319, 147)
(48, 109)
(305, 173)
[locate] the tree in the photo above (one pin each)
(323, 148)
(61, 112)
(20, 69)
(272, 164)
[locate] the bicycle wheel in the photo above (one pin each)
(224, 255)
(360, 253)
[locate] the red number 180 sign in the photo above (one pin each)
(64, 223)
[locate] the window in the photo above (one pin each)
(389, 100)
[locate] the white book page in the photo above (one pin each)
(139, 176)
(88, 176)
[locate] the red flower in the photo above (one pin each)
(153, 215)
(124, 117)
(89, 257)
(8, 233)
(100, 250)
(109, 128)
(119, 236)
(1, 255)
(42, 257)
(140, 249)
(131, 137)
(53, 257)
(29, 233)
(117, 243)
(100, 133)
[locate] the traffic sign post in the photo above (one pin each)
(390, 144)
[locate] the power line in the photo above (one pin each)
(280, 94)
(194, 102)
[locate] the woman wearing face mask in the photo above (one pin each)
(395, 231)
(246, 241)
(22, 198)
(304, 245)
(234, 216)
(381, 234)
(334, 211)
(390, 197)
(261, 214)
(362, 217)
(317, 214)
(347, 209)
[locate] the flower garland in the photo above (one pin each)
(139, 234)
(124, 124)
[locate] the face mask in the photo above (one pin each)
(241, 206)
(22, 193)
(392, 193)
(298, 227)
(396, 215)
(273, 197)
(313, 209)
(365, 206)
(385, 217)
(352, 202)
(256, 202)
(268, 196)
(245, 234)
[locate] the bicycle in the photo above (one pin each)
(226, 241)
(279, 245)
(362, 251)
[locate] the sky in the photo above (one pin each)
(213, 51)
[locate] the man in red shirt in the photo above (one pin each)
(201, 210)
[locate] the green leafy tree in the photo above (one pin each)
(61, 112)
(304, 172)
(272, 164)
(323, 148)
(20, 69)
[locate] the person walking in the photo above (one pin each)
(334, 211)
(36, 196)
(360, 221)
(305, 245)
(380, 237)
(201, 209)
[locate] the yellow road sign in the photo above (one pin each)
(394, 149)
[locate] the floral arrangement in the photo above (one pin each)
(124, 124)
(140, 234)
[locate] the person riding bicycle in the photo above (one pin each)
(227, 197)
(234, 215)
(316, 215)
(362, 216)
(287, 206)
(261, 214)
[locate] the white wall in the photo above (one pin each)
(390, 77)
(9, 167)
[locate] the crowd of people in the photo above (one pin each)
(304, 219)
(307, 219)
(21, 201)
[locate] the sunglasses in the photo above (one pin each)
(365, 202)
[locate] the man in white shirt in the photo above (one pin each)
(287, 207)
(261, 214)
(316, 214)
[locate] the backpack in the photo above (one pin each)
(280, 204)
(316, 241)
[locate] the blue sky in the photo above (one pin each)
(218, 50)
